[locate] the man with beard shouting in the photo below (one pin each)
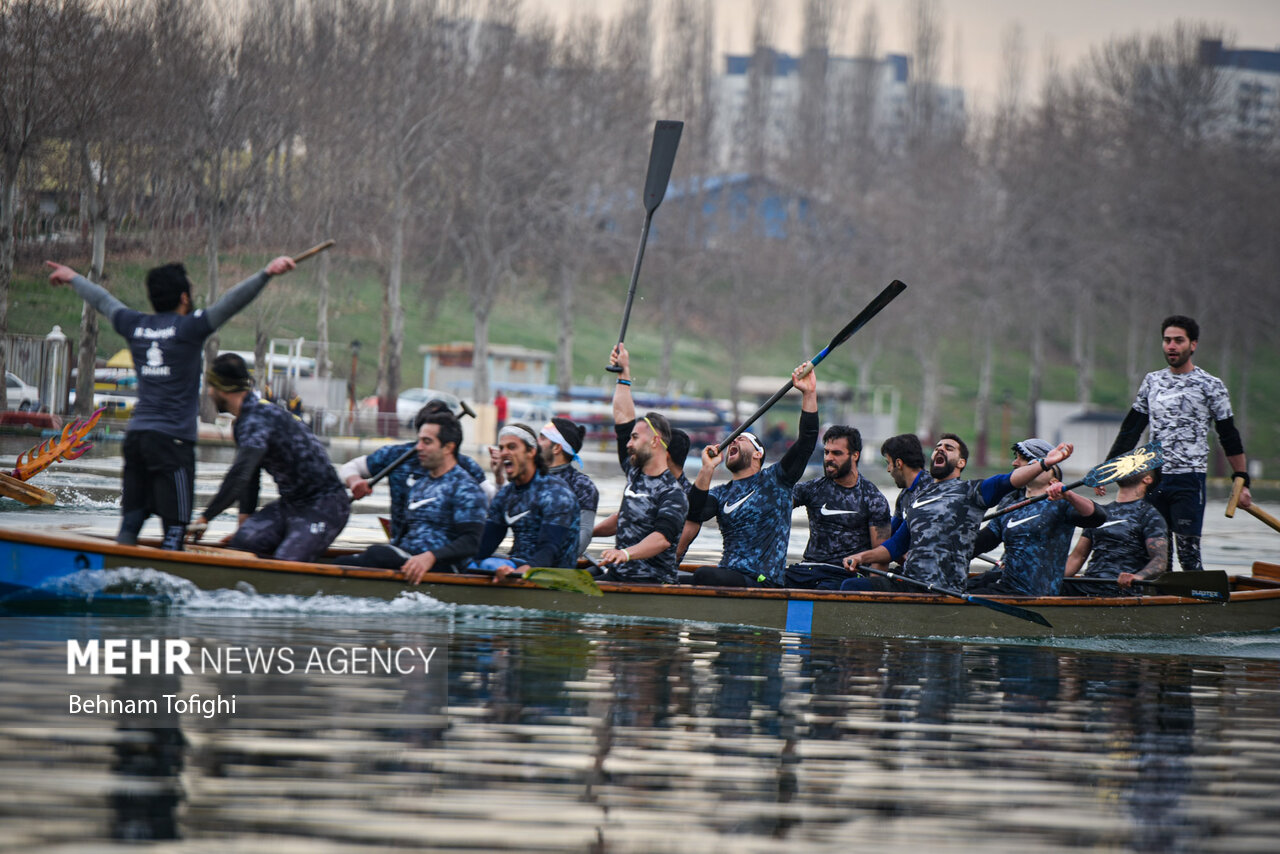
(847, 513)
(942, 521)
(653, 510)
(754, 509)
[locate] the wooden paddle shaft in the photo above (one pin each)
(314, 250)
(1237, 487)
(1263, 516)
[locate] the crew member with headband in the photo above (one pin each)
(313, 506)
(653, 509)
(541, 512)
(754, 509)
(558, 445)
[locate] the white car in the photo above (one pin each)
(20, 395)
(413, 399)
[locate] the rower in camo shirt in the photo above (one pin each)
(847, 513)
(754, 509)
(942, 521)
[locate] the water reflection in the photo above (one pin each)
(560, 733)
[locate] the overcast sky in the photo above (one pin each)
(1067, 28)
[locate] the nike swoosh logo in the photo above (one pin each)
(410, 480)
(414, 505)
(729, 508)
(1022, 521)
(826, 511)
(1112, 522)
(632, 494)
(917, 503)
(511, 520)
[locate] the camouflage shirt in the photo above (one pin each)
(651, 504)
(293, 456)
(542, 516)
(1120, 543)
(941, 525)
(840, 517)
(437, 507)
(1181, 408)
(1037, 539)
(403, 477)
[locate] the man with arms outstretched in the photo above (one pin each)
(159, 447)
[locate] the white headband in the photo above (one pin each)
(522, 433)
(555, 436)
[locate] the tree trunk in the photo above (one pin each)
(1082, 350)
(392, 311)
(8, 201)
(209, 412)
(480, 363)
(982, 405)
(927, 420)
(1035, 380)
(564, 345)
(324, 365)
(86, 357)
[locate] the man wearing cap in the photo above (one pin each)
(1179, 403)
(847, 513)
(653, 511)
(1024, 452)
(942, 522)
(540, 511)
(355, 473)
(558, 443)
(1036, 537)
(753, 509)
(444, 512)
(1133, 544)
(313, 506)
(904, 461)
(159, 447)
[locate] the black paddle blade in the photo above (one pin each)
(1140, 461)
(1211, 584)
(662, 156)
(1011, 610)
(888, 295)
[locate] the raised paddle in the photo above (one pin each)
(873, 308)
(557, 578)
(398, 461)
(1209, 584)
(1253, 510)
(314, 250)
(662, 155)
(1141, 461)
(1011, 610)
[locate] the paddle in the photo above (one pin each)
(1011, 610)
(1210, 584)
(662, 155)
(556, 578)
(873, 308)
(1141, 461)
(392, 466)
(314, 250)
(1253, 510)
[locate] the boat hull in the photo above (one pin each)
(32, 563)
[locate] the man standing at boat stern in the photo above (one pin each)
(1180, 402)
(653, 511)
(942, 521)
(847, 513)
(540, 511)
(313, 506)
(754, 509)
(159, 447)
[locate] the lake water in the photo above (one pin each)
(529, 731)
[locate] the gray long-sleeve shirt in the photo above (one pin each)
(167, 352)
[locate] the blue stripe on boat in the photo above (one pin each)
(800, 617)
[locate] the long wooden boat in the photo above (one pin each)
(33, 563)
